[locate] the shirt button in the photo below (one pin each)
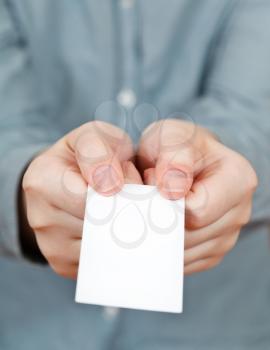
(127, 4)
(127, 98)
(110, 313)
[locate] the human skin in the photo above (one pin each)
(183, 159)
(197, 167)
(55, 185)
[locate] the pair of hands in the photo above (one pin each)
(180, 159)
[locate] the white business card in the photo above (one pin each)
(132, 251)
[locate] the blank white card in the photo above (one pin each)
(132, 251)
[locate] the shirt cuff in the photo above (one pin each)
(12, 168)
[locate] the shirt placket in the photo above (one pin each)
(128, 92)
(127, 96)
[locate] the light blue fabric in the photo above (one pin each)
(63, 63)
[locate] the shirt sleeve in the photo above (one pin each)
(25, 128)
(235, 95)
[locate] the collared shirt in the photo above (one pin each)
(131, 62)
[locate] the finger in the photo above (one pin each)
(98, 163)
(164, 146)
(71, 273)
(53, 180)
(214, 193)
(43, 218)
(60, 185)
(174, 172)
(148, 148)
(149, 177)
(66, 270)
(167, 134)
(215, 247)
(59, 250)
(230, 222)
(202, 265)
(131, 174)
(98, 158)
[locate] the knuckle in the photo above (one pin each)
(215, 262)
(231, 242)
(243, 219)
(250, 174)
(38, 223)
(33, 180)
(253, 180)
(228, 244)
(27, 183)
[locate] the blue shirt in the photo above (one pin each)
(130, 62)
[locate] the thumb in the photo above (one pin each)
(174, 172)
(98, 162)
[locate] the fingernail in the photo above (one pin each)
(174, 181)
(105, 179)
